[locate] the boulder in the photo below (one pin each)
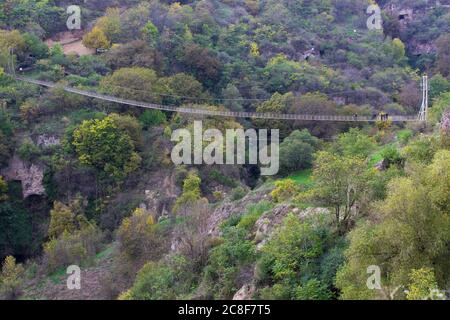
(382, 165)
(245, 293)
(30, 175)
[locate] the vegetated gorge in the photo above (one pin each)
(91, 183)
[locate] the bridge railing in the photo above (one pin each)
(232, 114)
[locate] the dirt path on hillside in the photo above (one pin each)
(54, 287)
(71, 42)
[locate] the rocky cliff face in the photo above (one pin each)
(160, 193)
(30, 175)
(263, 230)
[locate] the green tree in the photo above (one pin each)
(140, 84)
(191, 193)
(289, 260)
(5, 149)
(355, 143)
(392, 157)
(103, 145)
(340, 182)
(226, 260)
(133, 20)
(421, 149)
(254, 50)
(409, 231)
(202, 64)
(313, 290)
(16, 234)
(12, 40)
(438, 85)
(398, 50)
(138, 236)
(110, 24)
(11, 278)
(151, 118)
(150, 34)
(296, 151)
(72, 248)
(278, 103)
(422, 284)
(164, 280)
(183, 88)
(281, 73)
(284, 189)
(3, 189)
(35, 46)
(62, 219)
(129, 125)
(96, 39)
(232, 97)
(28, 150)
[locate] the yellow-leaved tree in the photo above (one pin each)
(11, 278)
(137, 235)
(61, 219)
(96, 39)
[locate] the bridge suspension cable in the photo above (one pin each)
(220, 113)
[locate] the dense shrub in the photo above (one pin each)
(238, 193)
(226, 262)
(284, 190)
(252, 214)
(72, 248)
(296, 151)
(138, 236)
(162, 280)
(11, 278)
(290, 261)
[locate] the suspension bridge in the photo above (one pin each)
(421, 117)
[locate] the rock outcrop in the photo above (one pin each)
(382, 165)
(229, 208)
(245, 293)
(270, 220)
(30, 175)
(161, 193)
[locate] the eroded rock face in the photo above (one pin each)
(265, 227)
(269, 220)
(30, 175)
(245, 293)
(161, 193)
(229, 208)
(272, 219)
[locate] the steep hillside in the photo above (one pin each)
(93, 183)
